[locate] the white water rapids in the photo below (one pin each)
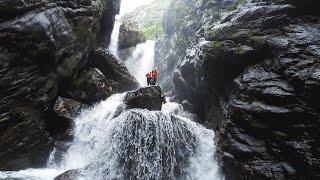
(111, 142)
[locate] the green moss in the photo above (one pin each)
(234, 5)
(239, 50)
(85, 36)
(215, 44)
(241, 1)
(81, 33)
(280, 1)
(209, 32)
(258, 41)
(103, 3)
(182, 40)
(152, 30)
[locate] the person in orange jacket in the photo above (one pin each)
(152, 77)
(155, 75)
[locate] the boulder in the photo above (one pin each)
(61, 123)
(91, 86)
(129, 36)
(113, 69)
(68, 108)
(145, 98)
(70, 175)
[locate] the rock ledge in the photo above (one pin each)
(146, 98)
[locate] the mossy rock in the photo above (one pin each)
(148, 18)
(130, 35)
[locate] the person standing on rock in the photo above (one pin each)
(148, 79)
(154, 75)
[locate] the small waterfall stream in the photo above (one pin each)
(114, 143)
(127, 6)
(141, 61)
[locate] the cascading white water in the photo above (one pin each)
(90, 127)
(113, 143)
(146, 144)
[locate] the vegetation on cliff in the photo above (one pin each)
(148, 18)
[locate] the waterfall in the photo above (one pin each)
(127, 6)
(142, 144)
(111, 142)
(141, 61)
(114, 143)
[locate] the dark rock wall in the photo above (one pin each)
(252, 71)
(45, 49)
(180, 24)
(107, 22)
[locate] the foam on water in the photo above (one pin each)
(160, 144)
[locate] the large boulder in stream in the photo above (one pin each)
(70, 175)
(44, 45)
(145, 98)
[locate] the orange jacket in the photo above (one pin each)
(153, 74)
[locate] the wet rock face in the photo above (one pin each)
(180, 24)
(61, 122)
(253, 69)
(44, 45)
(91, 86)
(114, 69)
(145, 98)
(23, 132)
(67, 108)
(107, 22)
